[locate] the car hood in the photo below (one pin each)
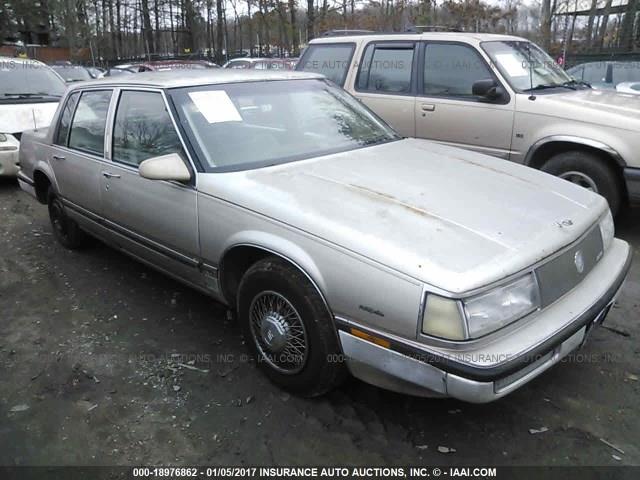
(16, 118)
(454, 219)
(602, 107)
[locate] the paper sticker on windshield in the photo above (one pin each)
(514, 67)
(216, 106)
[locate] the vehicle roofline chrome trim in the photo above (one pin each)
(577, 140)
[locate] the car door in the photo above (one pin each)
(152, 219)
(446, 109)
(386, 83)
(77, 152)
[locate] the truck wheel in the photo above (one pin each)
(588, 171)
(288, 329)
(66, 231)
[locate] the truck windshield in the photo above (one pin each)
(254, 124)
(20, 79)
(525, 65)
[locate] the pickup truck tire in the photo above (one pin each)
(66, 231)
(288, 329)
(590, 171)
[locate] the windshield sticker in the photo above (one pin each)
(216, 106)
(513, 66)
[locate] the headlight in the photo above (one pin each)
(607, 229)
(482, 314)
(3, 137)
(502, 305)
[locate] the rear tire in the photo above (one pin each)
(288, 329)
(66, 230)
(590, 171)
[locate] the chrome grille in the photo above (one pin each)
(561, 274)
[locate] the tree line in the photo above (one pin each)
(219, 29)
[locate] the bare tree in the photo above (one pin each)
(545, 24)
(219, 32)
(294, 30)
(628, 25)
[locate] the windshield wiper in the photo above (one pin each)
(378, 139)
(577, 83)
(546, 86)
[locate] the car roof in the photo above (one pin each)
(256, 59)
(448, 36)
(19, 59)
(188, 78)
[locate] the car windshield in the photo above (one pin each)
(249, 125)
(72, 74)
(28, 79)
(525, 65)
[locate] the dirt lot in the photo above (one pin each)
(106, 362)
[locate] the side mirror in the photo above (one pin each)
(488, 89)
(165, 167)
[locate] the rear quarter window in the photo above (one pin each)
(62, 135)
(329, 59)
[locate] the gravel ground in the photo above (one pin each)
(106, 362)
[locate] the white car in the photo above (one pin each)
(29, 95)
(629, 87)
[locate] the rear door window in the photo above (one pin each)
(65, 119)
(625, 72)
(386, 68)
(329, 59)
(87, 128)
(595, 72)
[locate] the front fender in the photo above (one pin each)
(281, 247)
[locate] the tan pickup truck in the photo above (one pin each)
(495, 94)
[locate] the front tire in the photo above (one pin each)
(66, 230)
(589, 171)
(288, 329)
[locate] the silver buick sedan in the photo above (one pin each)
(340, 246)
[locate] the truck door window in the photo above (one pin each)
(450, 70)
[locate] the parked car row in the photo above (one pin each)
(262, 63)
(358, 229)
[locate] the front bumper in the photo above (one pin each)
(490, 371)
(9, 165)
(632, 179)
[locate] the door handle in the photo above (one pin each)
(57, 157)
(110, 175)
(428, 107)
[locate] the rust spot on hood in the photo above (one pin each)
(392, 199)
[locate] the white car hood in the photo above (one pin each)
(16, 118)
(454, 219)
